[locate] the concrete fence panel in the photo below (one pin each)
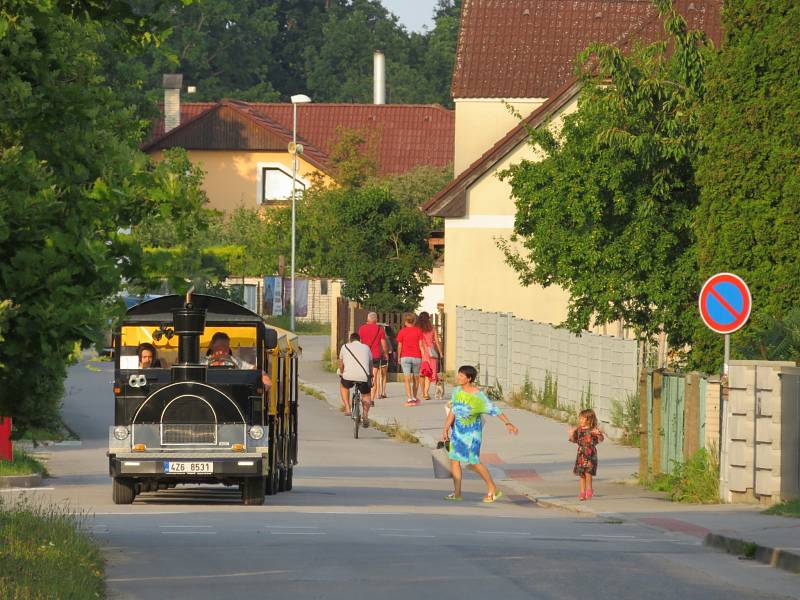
(510, 351)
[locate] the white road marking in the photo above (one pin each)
(406, 535)
(297, 533)
(193, 577)
(289, 527)
(30, 489)
(186, 526)
(390, 529)
(188, 533)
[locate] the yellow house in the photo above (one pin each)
(243, 146)
(520, 54)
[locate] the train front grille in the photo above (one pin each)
(194, 434)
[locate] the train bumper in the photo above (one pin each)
(181, 466)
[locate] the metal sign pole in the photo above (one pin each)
(727, 357)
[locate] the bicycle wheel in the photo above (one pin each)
(355, 410)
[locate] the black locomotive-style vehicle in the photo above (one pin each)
(188, 419)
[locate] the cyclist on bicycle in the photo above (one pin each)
(355, 363)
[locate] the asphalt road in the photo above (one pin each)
(367, 520)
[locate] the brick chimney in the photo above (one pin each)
(172, 101)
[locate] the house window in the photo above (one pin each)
(276, 184)
(323, 287)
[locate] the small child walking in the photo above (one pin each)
(587, 436)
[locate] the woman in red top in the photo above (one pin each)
(409, 351)
(431, 351)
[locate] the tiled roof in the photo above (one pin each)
(527, 48)
(406, 135)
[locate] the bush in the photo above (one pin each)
(626, 417)
(329, 361)
(695, 481)
(547, 396)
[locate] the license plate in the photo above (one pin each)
(189, 468)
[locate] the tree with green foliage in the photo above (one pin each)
(370, 239)
(179, 239)
(748, 218)
(73, 183)
(608, 213)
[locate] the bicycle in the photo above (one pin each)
(355, 410)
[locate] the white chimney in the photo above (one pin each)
(379, 78)
(172, 101)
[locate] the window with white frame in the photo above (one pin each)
(275, 183)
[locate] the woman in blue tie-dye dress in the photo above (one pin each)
(463, 428)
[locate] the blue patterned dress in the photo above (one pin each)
(465, 435)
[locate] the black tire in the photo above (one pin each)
(283, 478)
(355, 410)
(289, 472)
(253, 491)
(123, 490)
(272, 479)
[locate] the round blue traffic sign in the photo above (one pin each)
(725, 302)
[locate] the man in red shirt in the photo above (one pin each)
(409, 351)
(374, 336)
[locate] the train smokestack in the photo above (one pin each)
(189, 323)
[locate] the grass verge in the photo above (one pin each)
(300, 327)
(45, 553)
(396, 431)
(22, 464)
(312, 392)
(789, 508)
(57, 433)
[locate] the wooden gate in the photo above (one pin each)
(673, 419)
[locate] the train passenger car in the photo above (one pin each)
(192, 400)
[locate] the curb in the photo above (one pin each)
(49, 444)
(20, 481)
(780, 558)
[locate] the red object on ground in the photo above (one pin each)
(5, 439)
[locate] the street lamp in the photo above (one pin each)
(294, 150)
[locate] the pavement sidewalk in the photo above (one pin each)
(538, 464)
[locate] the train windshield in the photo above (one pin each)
(244, 343)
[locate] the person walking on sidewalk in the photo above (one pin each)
(374, 336)
(409, 352)
(355, 359)
(587, 436)
(431, 351)
(463, 428)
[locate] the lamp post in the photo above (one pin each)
(294, 149)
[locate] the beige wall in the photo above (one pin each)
(232, 175)
(475, 272)
(482, 122)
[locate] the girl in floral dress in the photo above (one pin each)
(463, 428)
(587, 436)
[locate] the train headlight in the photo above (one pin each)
(256, 432)
(121, 432)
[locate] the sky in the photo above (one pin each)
(413, 14)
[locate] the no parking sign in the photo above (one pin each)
(725, 303)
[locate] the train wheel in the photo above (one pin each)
(253, 491)
(272, 478)
(289, 479)
(282, 479)
(123, 490)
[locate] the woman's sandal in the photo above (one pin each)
(453, 498)
(489, 498)
(426, 397)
